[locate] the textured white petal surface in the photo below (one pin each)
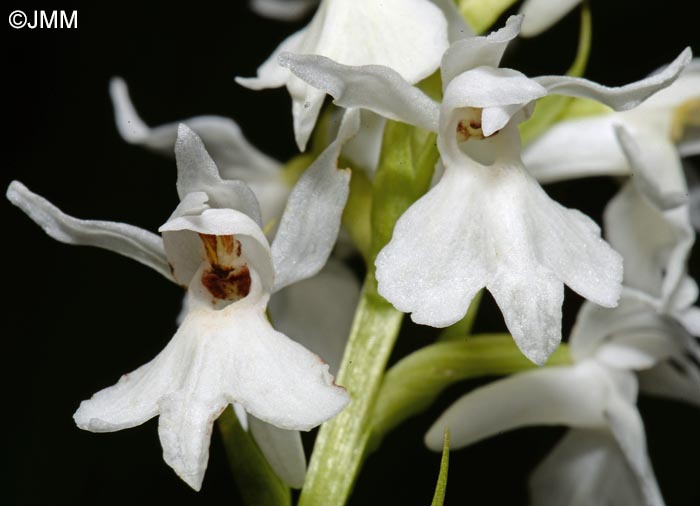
(574, 396)
(495, 227)
(379, 89)
(309, 226)
(218, 357)
(619, 98)
(132, 242)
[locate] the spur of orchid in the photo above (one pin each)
(418, 189)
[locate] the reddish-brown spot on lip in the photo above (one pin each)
(227, 284)
(227, 278)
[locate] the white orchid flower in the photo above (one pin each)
(542, 14)
(665, 127)
(225, 351)
(487, 222)
(357, 32)
(603, 459)
(321, 327)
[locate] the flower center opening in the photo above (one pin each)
(228, 277)
(469, 129)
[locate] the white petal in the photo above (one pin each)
(186, 251)
(473, 52)
(541, 14)
(594, 324)
(184, 427)
(225, 142)
(586, 468)
(430, 267)
(197, 172)
(628, 429)
(619, 98)
(564, 151)
(270, 74)
(533, 320)
(573, 396)
(656, 165)
(654, 244)
(495, 227)
(311, 221)
(318, 312)
(379, 89)
(132, 242)
(133, 399)
(490, 87)
(272, 377)
(283, 10)
(283, 451)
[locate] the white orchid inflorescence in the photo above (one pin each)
(421, 178)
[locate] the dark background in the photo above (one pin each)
(80, 317)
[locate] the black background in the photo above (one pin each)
(79, 317)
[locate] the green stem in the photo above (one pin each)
(340, 445)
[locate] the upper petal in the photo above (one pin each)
(197, 172)
(379, 89)
(472, 52)
(133, 242)
(619, 98)
(311, 220)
